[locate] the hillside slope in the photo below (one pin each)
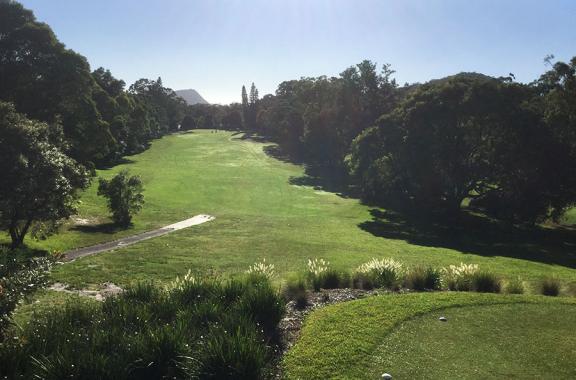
(191, 96)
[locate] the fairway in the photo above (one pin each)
(261, 211)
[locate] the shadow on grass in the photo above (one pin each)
(121, 161)
(478, 235)
(104, 228)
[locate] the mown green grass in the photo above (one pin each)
(501, 341)
(486, 336)
(260, 214)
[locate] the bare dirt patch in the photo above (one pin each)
(107, 289)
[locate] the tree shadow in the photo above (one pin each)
(478, 235)
(251, 136)
(104, 228)
(121, 161)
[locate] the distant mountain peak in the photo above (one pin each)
(191, 96)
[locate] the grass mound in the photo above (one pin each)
(352, 340)
(195, 329)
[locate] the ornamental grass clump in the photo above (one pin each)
(379, 273)
(550, 286)
(514, 286)
(261, 269)
(486, 282)
(459, 277)
(423, 278)
(317, 270)
(295, 290)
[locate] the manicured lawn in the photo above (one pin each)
(264, 210)
(486, 336)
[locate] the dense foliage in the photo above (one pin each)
(39, 183)
(196, 328)
(20, 275)
(471, 137)
(124, 195)
(48, 82)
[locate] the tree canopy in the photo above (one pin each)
(39, 183)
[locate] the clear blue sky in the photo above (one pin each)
(216, 46)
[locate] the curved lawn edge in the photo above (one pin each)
(338, 341)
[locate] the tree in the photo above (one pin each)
(188, 123)
(124, 195)
(39, 183)
(47, 82)
(467, 136)
(245, 107)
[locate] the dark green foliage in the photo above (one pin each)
(197, 329)
(423, 278)
(329, 279)
(232, 351)
(39, 183)
(20, 275)
(295, 290)
(486, 282)
(550, 286)
(124, 195)
(363, 281)
(48, 82)
(477, 137)
(260, 302)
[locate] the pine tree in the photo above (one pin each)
(253, 107)
(245, 107)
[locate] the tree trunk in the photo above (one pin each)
(17, 235)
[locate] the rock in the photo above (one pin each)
(386, 376)
(443, 319)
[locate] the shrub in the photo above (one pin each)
(459, 277)
(231, 354)
(485, 282)
(321, 276)
(124, 195)
(362, 281)
(514, 286)
(193, 328)
(550, 286)
(263, 305)
(295, 290)
(19, 276)
(380, 273)
(423, 278)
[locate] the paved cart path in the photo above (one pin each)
(129, 240)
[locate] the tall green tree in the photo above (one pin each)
(39, 183)
(466, 136)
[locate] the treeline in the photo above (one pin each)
(504, 148)
(101, 120)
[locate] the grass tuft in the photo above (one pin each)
(550, 286)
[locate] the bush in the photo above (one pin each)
(485, 282)
(295, 290)
(232, 354)
(423, 278)
(263, 305)
(459, 277)
(379, 273)
(20, 275)
(192, 328)
(514, 286)
(124, 195)
(550, 286)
